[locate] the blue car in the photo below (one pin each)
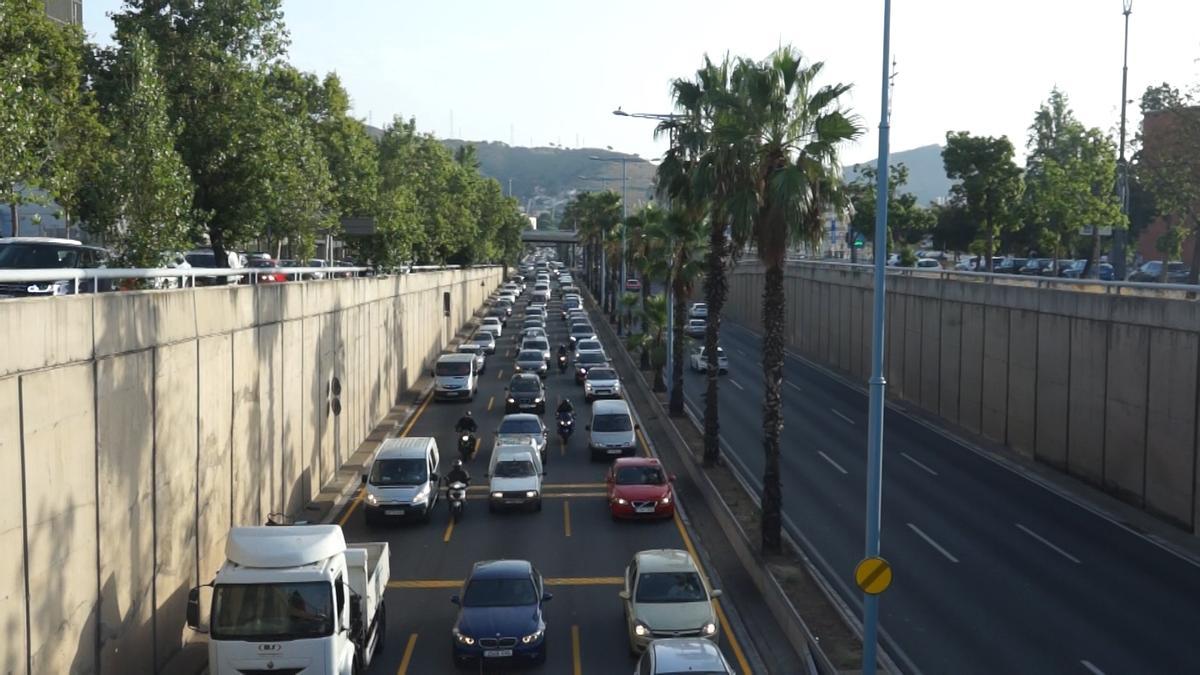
(500, 617)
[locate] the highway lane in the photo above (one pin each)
(994, 573)
(572, 541)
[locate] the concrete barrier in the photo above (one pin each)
(1101, 386)
(137, 428)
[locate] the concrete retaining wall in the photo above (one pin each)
(136, 428)
(1104, 387)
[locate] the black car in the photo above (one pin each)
(1151, 271)
(31, 253)
(1008, 265)
(587, 361)
(525, 393)
(1035, 266)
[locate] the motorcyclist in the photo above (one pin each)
(565, 409)
(458, 474)
(466, 423)
(562, 350)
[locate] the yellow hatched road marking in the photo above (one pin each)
(576, 661)
(408, 652)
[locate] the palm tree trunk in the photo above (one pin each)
(715, 289)
(773, 323)
(675, 407)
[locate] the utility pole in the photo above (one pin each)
(1118, 248)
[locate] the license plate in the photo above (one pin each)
(614, 451)
(394, 512)
(496, 653)
(514, 501)
(644, 509)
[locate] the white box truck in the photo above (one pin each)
(294, 599)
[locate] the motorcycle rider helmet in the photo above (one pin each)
(458, 464)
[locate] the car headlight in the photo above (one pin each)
(511, 400)
(532, 637)
(583, 371)
(465, 438)
(497, 495)
(709, 628)
(621, 500)
(372, 499)
(463, 639)
(538, 399)
(531, 493)
(641, 630)
(422, 495)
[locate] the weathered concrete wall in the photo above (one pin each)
(136, 428)
(1104, 387)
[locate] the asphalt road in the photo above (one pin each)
(993, 572)
(572, 541)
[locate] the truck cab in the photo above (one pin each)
(294, 599)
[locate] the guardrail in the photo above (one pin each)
(67, 281)
(1131, 288)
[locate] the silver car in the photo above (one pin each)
(476, 349)
(539, 343)
(683, 655)
(486, 339)
(666, 596)
(531, 361)
(601, 382)
(523, 429)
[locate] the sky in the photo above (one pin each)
(535, 72)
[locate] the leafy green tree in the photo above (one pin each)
(908, 221)
(953, 229)
(793, 129)
(47, 121)
(989, 186)
(1167, 168)
(143, 190)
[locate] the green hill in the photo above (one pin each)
(926, 173)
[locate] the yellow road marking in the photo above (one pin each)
(475, 450)
(645, 445)
(491, 400)
(576, 662)
(449, 531)
(408, 652)
(733, 641)
(550, 581)
(567, 517)
(499, 373)
(407, 428)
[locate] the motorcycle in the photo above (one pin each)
(466, 445)
(566, 425)
(562, 363)
(456, 493)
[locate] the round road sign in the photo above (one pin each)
(873, 575)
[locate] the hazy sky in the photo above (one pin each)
(541, 71)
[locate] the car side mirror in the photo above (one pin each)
(716, 594)
(454, 599)
(671, 478)
(624, 595)
(364, 479)
(547, 596)
(193, 609)
(588, 427)
(637, 427)
(434, 477)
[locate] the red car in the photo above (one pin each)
(633, 285)
(638, 487)
(265, 277)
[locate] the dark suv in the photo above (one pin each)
(35, 253)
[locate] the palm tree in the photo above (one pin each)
(650, 340)
(792, 131)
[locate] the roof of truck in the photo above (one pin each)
(283, 546)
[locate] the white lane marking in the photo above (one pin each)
(929, 540)
(839, 414)
(797, 388)
(830, 460)
(1091, 667)
(910, 458)
(735, 383)
(741, 352)
(1047, 542)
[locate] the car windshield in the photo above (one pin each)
(261, 612)
(452, 368)
(656, 587)
(201, 259)
(530, 355)
(591, 357)
(520, 425)
(696, 322)
(602, 374)
(589, 346)
(499, 593)
(525, 385)
(468, 349)
(398, 472)
(614, 422)
(514, 468)
(640, 475)
(483, 337)
(581, 330)
(19, 256)
(537, 344)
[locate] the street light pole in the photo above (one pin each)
(878, 383)
(1122, 166)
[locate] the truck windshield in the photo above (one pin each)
(289, 611)
(453, 368)
(398, 472)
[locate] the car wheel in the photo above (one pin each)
(538, 505)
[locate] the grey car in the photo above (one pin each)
(487, 340)
(531, 361)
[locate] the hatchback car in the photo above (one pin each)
(695, 328)
(699, 360)
(601, 382)
(525, 392)
(514, 478)
(666, 596)
(500, 616)
(492, 324)
(672, 656)
(587, 346)
(531, 361)
(487, 340)
(698, 310)
(533, 333)
(587, 361)
(538, 344)
(476, 349)
(633, 285)
(582, 332)
(638, 487)
(523, 429)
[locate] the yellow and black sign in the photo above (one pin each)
(873, 575)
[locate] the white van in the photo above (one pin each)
(515, 477)
(401, 481)
(455, 376)
(612, 431)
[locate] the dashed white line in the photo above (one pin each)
(743, 353)
(929, 540)
(830, 460)
(1091, 667)
(912, 459)
(735, 383)
(1048, 543)
(793, 386)
(839, 414)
